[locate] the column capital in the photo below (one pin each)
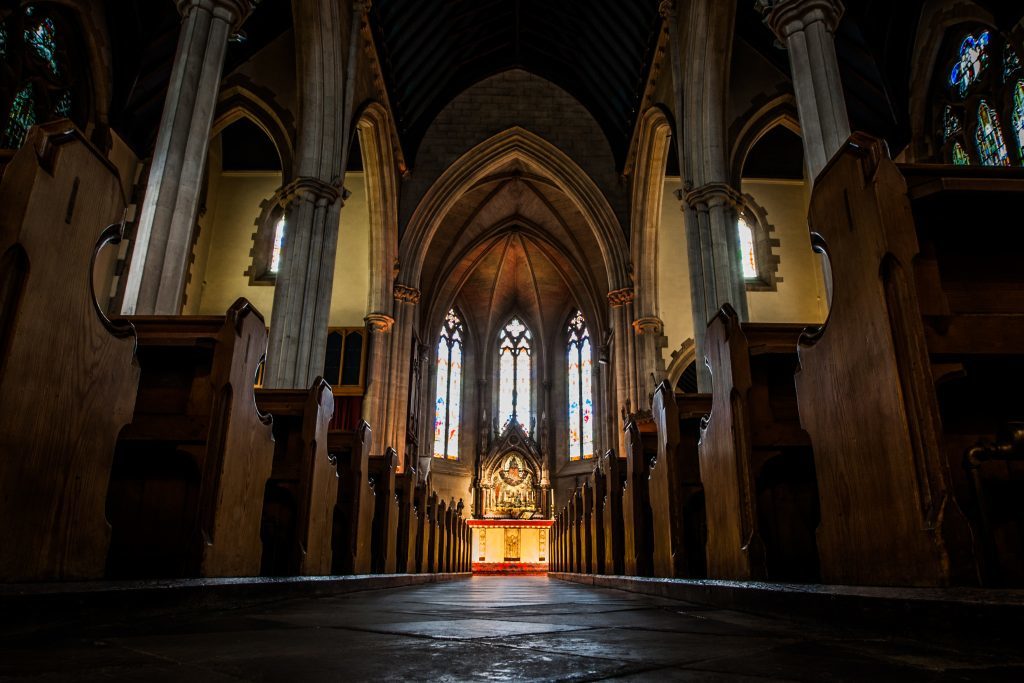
(311, 190)
(648, 325)
(407, 294)
(713, 194)
(621, 297)
(379, 322)
(786, 17)
(235, 12)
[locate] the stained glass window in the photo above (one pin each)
(989, 136)
(960, 157)
(3, 41)
(1011, 63)
(972, 62)
(580, 392)
(950, 124)
(748, 254)
(42, 37)
(275, 254)
(22, 117)
(514, 367)
(1018, 115)
(448, 404)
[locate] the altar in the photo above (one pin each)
(510, 546)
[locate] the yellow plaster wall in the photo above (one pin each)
(223, 249)
(801, 294)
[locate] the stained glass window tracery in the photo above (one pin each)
(989, 138)
(960, 157)
(1011, 63)
(448, 401)
(42, 37)
(580, 391)
(972, 62)
(514, 367)
(22, 116)
(748, 252)
(950, 124)
(275, 254)
(1018, 115)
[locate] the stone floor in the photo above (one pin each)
(486, 628)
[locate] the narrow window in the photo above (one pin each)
(748, 255)
(989, 136)
(580, 394)
(449, 388)
(275, 254)
(1018, 115)
(514, 374)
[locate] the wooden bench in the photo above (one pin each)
(638, 537)
(386, 512)
(444, 525)
(921, 357)
(424, 527)
(598, 488)
(353, 511)
(756, 463)
(408, 521)
(614, 543)
(186, 488)
(675, 488)
(298, 504)
(68, 376)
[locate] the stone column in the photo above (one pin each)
(701, 88)
(650, 334)
(395, 430)
(375, 406)
(313, 201)
(622, 350)
(807, 29)
(163, 236)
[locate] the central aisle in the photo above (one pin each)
(484, 628)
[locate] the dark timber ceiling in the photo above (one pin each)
(597, 50)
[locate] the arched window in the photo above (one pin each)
(580, 396)
(514, 374)
(989, 136)
(35, 67)
(449, 387)
(275, 253)
(976, 95)
(748, 251)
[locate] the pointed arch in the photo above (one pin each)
(240, 98)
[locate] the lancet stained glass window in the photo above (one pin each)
(580, 394)
(989, 136)
(514, 367)
(960, 157)
(22, 116)
(42, 37)
(950, 124)
(1018, 115)
(275, 254)
(748, 253)
(1011, 63)
(448, 404)
(973, 61)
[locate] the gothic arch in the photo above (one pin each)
(375, 127)
(241, 99)
(489, 156)
(681, 359)
(937, 17)
(755, 124)
(653, 143)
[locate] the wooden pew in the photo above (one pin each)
(614, 543)
(298, 504)
(919, 359)
(586, 513)
(352, 542)
(434, 544)
(423, 526)
(408, 521)
(386, 512)
(641, 441)
(190, 470)
(755, 461)
(443, 522)
(598, 486)
(68, 376)
(676, 492)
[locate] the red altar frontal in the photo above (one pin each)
(510, 546)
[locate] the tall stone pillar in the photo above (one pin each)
(313, 201)
(701, 87)
(650, 337)
(807, 29)
(623, 350)
(395, 430)
(163, 236)
(375, 406)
